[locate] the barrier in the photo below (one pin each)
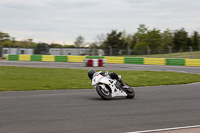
(48, 58)
(24, 57)
(192, 62)
(36, 57)
(154, 61)
(107, 59)
(133, 60)
(7, 56)
(175, 62)
(94, 62)
(59, 58)
(94, 57)
(72, 58)
(119, 60)
(89, 62)
(13, 57)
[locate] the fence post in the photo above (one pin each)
(129, 51)
(148, 51)
(110, 50)
(18, 49)
(47, 49)
(61, 50)
(94, 51)
(170, 51)
(9, 50)
(1, 51)
(191, 50)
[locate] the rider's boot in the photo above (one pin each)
(121, 82)
(123, 86)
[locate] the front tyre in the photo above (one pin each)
(130, 93)
(105, 94)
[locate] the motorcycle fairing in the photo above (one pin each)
(105, 80)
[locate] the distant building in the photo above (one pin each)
(68, 51)
(75, 51)
(28, 51)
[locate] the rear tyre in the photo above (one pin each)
(130, 93)
(103, 93)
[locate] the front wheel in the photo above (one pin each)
(130, 93)
(103, 93)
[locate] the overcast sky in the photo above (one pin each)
(62, 21)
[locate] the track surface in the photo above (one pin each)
(107, 67)
(75, 111)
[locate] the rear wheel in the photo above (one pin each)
(103, 93)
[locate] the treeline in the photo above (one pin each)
(138, 43)
(153, 39)
(39, 48)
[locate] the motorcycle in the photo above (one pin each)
(108, 88)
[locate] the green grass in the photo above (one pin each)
(25, 78)
(195, 55)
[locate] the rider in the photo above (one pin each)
(112, 75)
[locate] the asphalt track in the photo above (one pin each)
(71, 65)
(82, 111)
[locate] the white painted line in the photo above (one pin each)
(194, 83)
(165, 129)
(177, 71)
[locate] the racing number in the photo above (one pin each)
(111, 81)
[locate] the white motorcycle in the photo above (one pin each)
(108, 88)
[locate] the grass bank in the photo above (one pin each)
(25, 78)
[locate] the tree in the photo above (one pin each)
(4, 37)
(142, 33)
(180, 40)
(69, 46)
(128, 40)
(195, 40)
(133, 41)
(140, 48)
(189, 41)
(114, 39)
(41, 48)
(79, 42)
(141, 40)
(147, 38)
(99, 40)
(167, 39)
(154, 39)
(5, 40)
(114, 42)
(53, 45)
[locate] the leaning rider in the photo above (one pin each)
(112, 75)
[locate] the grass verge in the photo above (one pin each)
(25, 78)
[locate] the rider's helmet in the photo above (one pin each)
(91, 73)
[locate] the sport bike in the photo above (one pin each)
(108, 88)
